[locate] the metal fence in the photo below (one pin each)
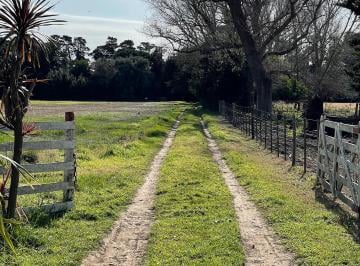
(287, 135)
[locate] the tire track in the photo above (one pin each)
(262, 247)
(127, 242)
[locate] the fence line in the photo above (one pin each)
(332, 151)
(68, 166)
(285, 135)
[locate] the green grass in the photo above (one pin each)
(195, 221)
(315, 234)
(113, 158)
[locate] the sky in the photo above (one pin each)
(95, 20)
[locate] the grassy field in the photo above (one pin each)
(317, 235)
(115, 147)
(336, 109)
(195, 221)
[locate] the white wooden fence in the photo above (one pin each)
(339, 161)
(68, 166)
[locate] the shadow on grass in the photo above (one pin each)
(348, 220)
(38, 218)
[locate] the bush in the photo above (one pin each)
(289, 89)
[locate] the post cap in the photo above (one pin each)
(69, 116)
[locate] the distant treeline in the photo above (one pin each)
(122, 71)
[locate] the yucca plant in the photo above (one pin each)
(23, 47)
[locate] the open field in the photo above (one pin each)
(330, 108)
(115, 145)
(123, 110)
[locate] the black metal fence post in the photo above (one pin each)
(294, 142)
(271, 133)
(260, 125)
(305, 146)
(266, 131)
(234, 114)
(277, 136)
(285, 138)
(252, 124)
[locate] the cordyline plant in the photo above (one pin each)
(23, 47)
(5, 224)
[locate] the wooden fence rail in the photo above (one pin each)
(285, 135)
(339, 161)
(68, 166)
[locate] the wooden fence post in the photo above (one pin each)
(305, 146)
(294, 142)
(69, 157)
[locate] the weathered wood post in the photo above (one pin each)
(294, 142)
(305, 146)
(285, 138)
(69, 156)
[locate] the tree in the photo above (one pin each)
(258, 24)
(106, 51)
(318, 61)
(80, 48)
(353, 5)
(353, 61)
(19, 23)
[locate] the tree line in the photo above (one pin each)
(250, 52)
(302, 50)
(113, 71)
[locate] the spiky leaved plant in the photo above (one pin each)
(5, 224)
(23, 46)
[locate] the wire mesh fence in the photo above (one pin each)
(287, 135)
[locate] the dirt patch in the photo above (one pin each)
(262, 247)
(126, 244)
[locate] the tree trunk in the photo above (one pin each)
(18, 140)
(15, 175)
(314, 109)
(262, 82)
